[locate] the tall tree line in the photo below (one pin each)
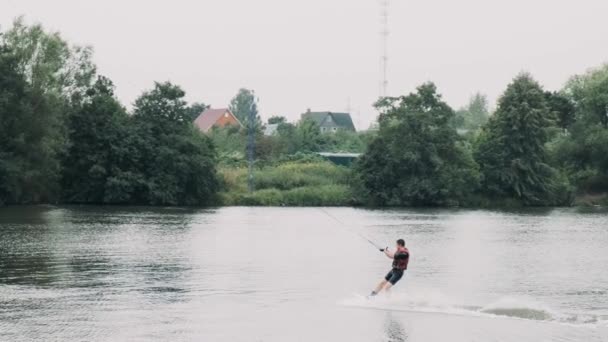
(538, 148)
(64, 137)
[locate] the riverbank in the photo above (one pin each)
(339, 196)
(314, 182)
(305, 183)
(297, 184)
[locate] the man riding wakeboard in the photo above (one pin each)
(401, 257)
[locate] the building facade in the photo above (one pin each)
(330, 122)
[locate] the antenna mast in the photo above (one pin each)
(384, 4)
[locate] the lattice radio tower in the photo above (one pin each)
(384, 11)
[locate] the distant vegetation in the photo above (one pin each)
(303, 138)
(304, 182)
(65, 138)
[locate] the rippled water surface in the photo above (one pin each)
(286, 274)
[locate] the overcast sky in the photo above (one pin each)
(318, 54)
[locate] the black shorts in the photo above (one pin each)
(394, 276)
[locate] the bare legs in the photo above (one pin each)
(380, 286)
(384, 285)
(387, 288)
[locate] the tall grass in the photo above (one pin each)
(318, 183)
(293, 175)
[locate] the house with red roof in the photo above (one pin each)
(216, 118)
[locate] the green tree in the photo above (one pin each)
(308, 136)
(562, 108)
(96, 130)
(511, 148)
(345, 141)
(416, 158)
(163, 107)
(288, 138)
(475, 114)
(230, 143)
(242, 104)
(277, 120)
(14, 111)
(589, 92)
(49, 62)
(583, 151)
(195, 109)
(177, 161)
(55, 75)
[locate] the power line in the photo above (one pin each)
(351, 231)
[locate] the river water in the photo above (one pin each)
(296, 274)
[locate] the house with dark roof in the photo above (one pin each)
(330, 122)
(216, 118)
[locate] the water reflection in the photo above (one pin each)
(394, 330)
(34, 270)
(255, 274)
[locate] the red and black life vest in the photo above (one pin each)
(401, 258)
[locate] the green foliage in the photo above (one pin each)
(474, 115)
(305, 137)
(48, 62)
(176, 163)
(583, 151)
(308, 135)
(298, 183)
(346, 141)
(230, 142)
(154, 157)
(242, 104)
(511, 149)
(589, 92)
(562, 108)
(163, 108)
(293, 175)
(277, 120)
(42, 78)
(96, 129)
(14, 111)
(417, 158)
(195, 109)
(326, 195)
(301, 157)
(64, 137)
(289, 139)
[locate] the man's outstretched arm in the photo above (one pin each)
(389, 254)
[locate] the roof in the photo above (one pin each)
(209, 117)
(342, 120)
(339, 155)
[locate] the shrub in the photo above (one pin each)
(326, 195)
(293, 175)
(292, 183)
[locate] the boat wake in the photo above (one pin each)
(507, 307)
